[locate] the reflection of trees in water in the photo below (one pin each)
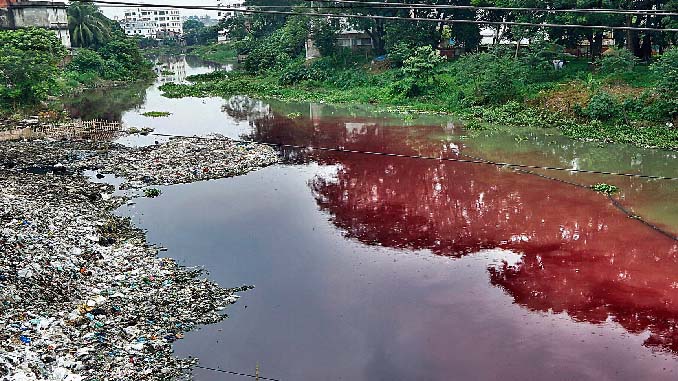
(579, 254)
(107, 104)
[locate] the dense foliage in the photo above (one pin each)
(28, 65)
(33, 62)
(196, 33)
(88, 27)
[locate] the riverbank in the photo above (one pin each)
(578, 110)
(84, 295)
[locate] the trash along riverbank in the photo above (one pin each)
(83, 296)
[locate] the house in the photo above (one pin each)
(152, 22)
(354, 39)
(15, 14)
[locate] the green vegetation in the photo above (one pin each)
(620, 98)
(152, 192)
(196, 33)
(88, 27)
(605, 188)
(219, 53)
(487, 89)
(32, 60)
(28, 67)
(156, 114)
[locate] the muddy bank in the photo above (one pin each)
(84, 296)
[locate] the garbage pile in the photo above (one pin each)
(181, 160)
(83, 296)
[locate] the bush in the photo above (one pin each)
(604, 106)
(666, 71)
(302, 71)
(617, 61)
(124, 61)
(418, 73)
(28, 65)
(324, 35)
(489, 79)
(277, 50)
(399, 53)
(86, 60)
(422, 63)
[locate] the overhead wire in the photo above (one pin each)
(378, 17)
(236, 373)
(519, 168)
(436, 158)
(383, 4)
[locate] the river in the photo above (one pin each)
(394, 268)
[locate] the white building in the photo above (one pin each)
(228, 11)
(152, 23)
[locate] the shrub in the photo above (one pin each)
(28, 65)
(418, 73)
(489, 79)
(124, 61)
(617, 61)
(299, 71)
(422, 63)
(666, 71)
(86, 60)
(278, 49)
(324, 35)
(399, 53)
(604, 106)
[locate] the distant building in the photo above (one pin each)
(15, 14)
(152, 23)
(229, 10)
(226, 12)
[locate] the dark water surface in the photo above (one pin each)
(386, 268)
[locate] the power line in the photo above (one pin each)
(376, 17)
(382, 4)
(236, 373)
(424, 157)
(519, 168)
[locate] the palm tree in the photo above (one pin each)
(89, 28)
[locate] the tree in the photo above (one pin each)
(28, 65)
(124, 60)
(190, 25)
(324, 34)
(89, 28)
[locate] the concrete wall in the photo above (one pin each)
(41, 14)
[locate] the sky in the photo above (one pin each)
(111, 12)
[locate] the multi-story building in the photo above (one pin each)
(15, 14)
(152, 23)
(227, 11)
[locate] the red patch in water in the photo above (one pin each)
(580, 254)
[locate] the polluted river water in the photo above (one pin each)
(392, 268)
